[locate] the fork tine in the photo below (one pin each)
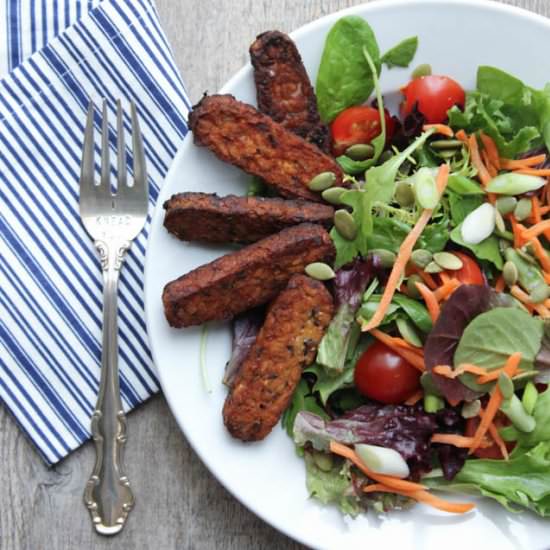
(88, 169)
(140, 170)
(121, 148)
(105, 159)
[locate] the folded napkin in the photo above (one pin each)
(51, 285)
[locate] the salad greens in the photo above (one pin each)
(402, 54)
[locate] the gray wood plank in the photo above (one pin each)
(180, 504)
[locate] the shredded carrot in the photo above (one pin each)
(495, 373)
(517, 230)
(404, 254)
(390, 481)
(482, 172)
(491, 150)
(523, 297)
(544, 210)
(462, 136)
(445, 277)
(541, 254)
(453, 439)
(442, 129)
(542, 172)
(546, 277)
(535, 210)
(415, 398)
(509, 164)
(497, 438)
(491, 168)
(426, 277)
(448, 372)
(431, 301)
(413, 357)
(500, 284)
(395, 341)
(535, 230)
(446, 289)
(493, 405)
(423, 496)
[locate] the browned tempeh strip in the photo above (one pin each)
(239, 134)
(286, 343)
(283, 89)
(209, 218)
(246, 278)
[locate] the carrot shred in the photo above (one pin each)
(482, 171)
(415, 398)
(425, 497)
(493, 405)
(541, 254)
(491, 150)
(517, 230)
(535, 230)
(535, 210)
(544, 210)
(404, 255)
(390, 481)
(493, 375)
(546, 277)
(446, 289)
(500, 284)
(461, 135)
(497, 438)
(453, 439)
(493, 172)
(445, 277)
(442, 129)
(448, 372)
(542, 172)
(413, 357)
(509, 164)
(523, 297)
(431, 301)
(429, 281)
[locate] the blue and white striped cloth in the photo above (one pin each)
(56, 55)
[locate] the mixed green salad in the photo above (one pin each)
(434, 372)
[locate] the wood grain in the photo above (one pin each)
(180, 505)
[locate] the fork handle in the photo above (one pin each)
(108, 495)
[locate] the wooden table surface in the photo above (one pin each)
(179, 503)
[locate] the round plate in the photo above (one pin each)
(455, 38)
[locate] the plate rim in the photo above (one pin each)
(364, 8)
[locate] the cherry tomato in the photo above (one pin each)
(358, 125)
(383, 375)
(469, 273)
(434, 96)
(493, 451)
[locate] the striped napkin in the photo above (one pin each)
(54, 56)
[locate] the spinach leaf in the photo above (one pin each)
(402, 54)
(461, 206)
(463, 185)
(388, 233)
(485, 250)
(522, 481)
(344, 76)
(302, 400)
(435, 236)
(493, 336)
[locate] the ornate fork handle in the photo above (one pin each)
(108, 495)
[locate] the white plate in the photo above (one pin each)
(455, 37)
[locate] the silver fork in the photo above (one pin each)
(113, 222)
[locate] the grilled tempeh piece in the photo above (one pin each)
(283, 88)
(287, 342)
(246, 278)
(239, 134)
(209, 218)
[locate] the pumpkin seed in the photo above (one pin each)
(422, 70)
(471, 409)
(432, 267)
(387, 257)
(540, 293)
(322, 181)
(408, 332)
(523, 209)
(505, 385)
(404, 195)
(510, 273)
(412, 291)
(360, 151)
(446, 144)
(333, 194)
(446, 155)
(446, 260)
(421, 258)
(526, 256)
(385, 156)
(345, 224)
(506, 205)
(499, 221)
(320, 271)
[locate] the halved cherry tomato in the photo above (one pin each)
(383, 375)
(359, 124)
(469, 273)
(434, 95)
(493, 451)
